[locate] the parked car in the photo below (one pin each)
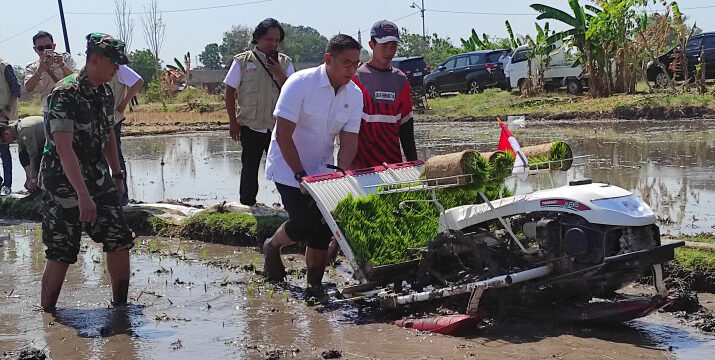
(693, 49)
(559, 73)
(470, 72)
(414, 67)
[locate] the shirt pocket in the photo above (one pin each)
(340, 119)
(314, 119)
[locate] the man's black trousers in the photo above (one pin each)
(254, 144)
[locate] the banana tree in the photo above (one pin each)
(577, 36)
(474, 43)
(182, 69)
(515, 43)
(539, 50)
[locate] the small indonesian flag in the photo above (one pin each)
(507, 142)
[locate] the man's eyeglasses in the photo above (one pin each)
(347, 63)
(43, 47)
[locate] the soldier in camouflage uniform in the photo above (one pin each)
(80, 192)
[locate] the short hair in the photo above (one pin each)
(41, 34)
(340, 43)
(264, 26)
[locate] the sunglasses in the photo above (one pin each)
(44, 47)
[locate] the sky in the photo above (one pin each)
(189, 28)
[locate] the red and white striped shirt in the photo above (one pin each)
(387, 104)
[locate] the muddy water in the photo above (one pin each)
(669, 163)
(183, 309)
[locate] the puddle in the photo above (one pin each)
(184, 309)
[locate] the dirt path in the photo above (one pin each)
(185, 308)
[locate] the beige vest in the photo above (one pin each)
(257, 94)
(120, 92)
(6, 91)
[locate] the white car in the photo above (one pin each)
(559, 73)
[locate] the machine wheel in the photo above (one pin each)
(473, 87)
(573, 86)
(431, 91)
(662, 80)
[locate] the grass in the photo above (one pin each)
(696, 259)
(495, 102)
(231, 228)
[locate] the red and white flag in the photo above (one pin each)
(507, 142)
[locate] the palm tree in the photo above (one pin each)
(577, 35)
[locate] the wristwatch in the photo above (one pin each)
(299, 175)
(119, 175)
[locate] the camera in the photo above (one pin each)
(273, 55)
(49, 53)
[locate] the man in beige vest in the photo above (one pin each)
(125, 85)
(43, 73)
(9, 93)
(255, 76)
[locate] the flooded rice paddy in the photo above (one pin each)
(192, 299)
(671, 164)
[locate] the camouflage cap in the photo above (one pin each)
(107, 46)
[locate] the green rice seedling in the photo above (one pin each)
(270, 294)
(535, 162)
(560, 151)
(250, 288)
(285, 295)
(502, 164)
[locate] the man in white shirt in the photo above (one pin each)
(504, 58)
(42, 74)
(314, 107)
(256, 76)
(125, 85)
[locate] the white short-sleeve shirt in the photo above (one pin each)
(127, 76)
(233, 77)
(319, 114)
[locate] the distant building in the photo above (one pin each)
(209, 80)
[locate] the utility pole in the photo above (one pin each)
(64, 28)
(422, 10)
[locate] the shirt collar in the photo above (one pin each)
(323, 80)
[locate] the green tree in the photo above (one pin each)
(211, 57)
(236, 40)
(303, 43)
(577, 36)
(145, 64)
(434, 49)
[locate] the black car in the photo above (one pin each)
(693, 48)
(414, 67)
(470, 72)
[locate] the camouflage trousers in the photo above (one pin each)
(62, 230)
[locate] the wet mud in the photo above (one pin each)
(190, 299)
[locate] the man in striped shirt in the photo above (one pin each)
(387, 111)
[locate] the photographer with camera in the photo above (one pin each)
(255, 78)
(43, 73)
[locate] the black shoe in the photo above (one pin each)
(273, 268)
